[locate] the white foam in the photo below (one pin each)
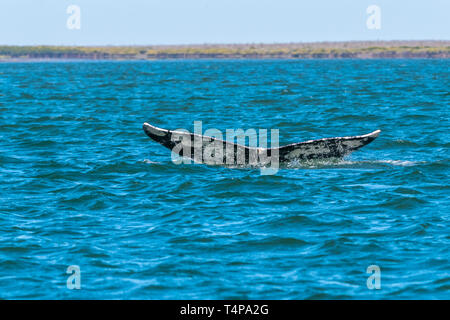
(340, 163)
(402, 163)
(149, 161)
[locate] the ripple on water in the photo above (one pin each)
(83, 185)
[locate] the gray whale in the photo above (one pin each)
(325, 148)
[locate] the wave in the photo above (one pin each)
(342, 163)
(320, 164)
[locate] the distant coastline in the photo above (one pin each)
(427, 49)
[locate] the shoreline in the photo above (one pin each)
(425, 49)
(87, 60)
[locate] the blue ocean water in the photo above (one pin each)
(81, 184)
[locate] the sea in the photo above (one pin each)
(91, 208)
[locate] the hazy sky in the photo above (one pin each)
(133, 22)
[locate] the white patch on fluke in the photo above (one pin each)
(155, 130)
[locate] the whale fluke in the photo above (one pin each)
(325, 148)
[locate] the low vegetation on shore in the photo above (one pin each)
(314, 50)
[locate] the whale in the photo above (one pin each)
(194, 146)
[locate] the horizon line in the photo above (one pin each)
(230, 43)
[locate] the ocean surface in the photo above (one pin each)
(82, 185)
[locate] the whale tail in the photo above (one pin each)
(325, 148)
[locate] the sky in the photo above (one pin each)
(153, 22)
